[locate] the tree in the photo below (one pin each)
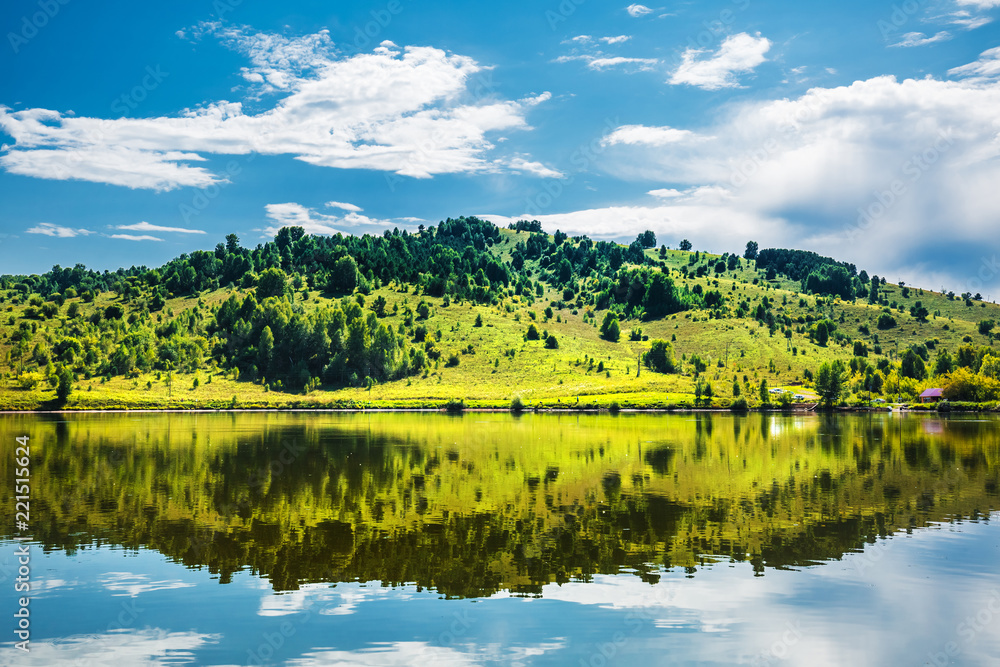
(986, 326)
(661, 297)
(765, 395)
(610, 330)
(913, 366)
(532, 333)
(685, 245)
(943, 364)
(344, 275)
(271, 283)
(64, 383)
(751, 251)
(552, 343)
(919, 311)
(822, 333)
(479, 320)
(830, 382)
(232, 244)
(660, 357)
(379, 305)
(647, 239)
(265, 348)
(113, 313)
(886, 321)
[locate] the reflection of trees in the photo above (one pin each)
(471, 508)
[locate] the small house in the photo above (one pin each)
(931, 396)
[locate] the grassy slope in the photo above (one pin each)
(562, 377)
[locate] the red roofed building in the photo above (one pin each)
(931, 396)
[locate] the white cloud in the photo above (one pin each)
(344, 206)
(738, 53)
(417, 112)
(520, 164)
(795, 172)
(920, 39)
(618, 39)
(147, 227)
(57, 231)
(135, 237)
(638, 10)
(291, 214)
(645, 135)
(987, 67)
(599, 61)
(966, 20)
(666, 193)
(980, 4)
(602, 63)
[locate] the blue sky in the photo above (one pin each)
(865, 131)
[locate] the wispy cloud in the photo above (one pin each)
(980, 4)
(618, 39)
(415, 111)
(911, 39)
(987, 67)
(147, 227)
(291, 214)
(344, 206)
(646, 135)
(737, 54)
(638, 10)
(57, 231)
(135, 237)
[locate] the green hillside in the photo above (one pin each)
(465, 311)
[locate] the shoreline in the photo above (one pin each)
(445, 410)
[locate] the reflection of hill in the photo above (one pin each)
(475, 504)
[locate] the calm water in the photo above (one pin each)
(303, 539)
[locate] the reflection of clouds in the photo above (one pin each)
(331, 601)
(405, 654)
(152, 646)
(130, 584)
(907, 601)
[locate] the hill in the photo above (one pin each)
(466, 311)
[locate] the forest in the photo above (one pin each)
(307, 313)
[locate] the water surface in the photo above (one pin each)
(260, 538)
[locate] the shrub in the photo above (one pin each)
(516, 405)
(739, 404)
(551, 342)
(660, 357)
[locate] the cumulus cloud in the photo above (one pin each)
(147, 227)
(416, 111)
(883, 173)
(57, 231)
(911, 39)
(638, 10)
(737, 54)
